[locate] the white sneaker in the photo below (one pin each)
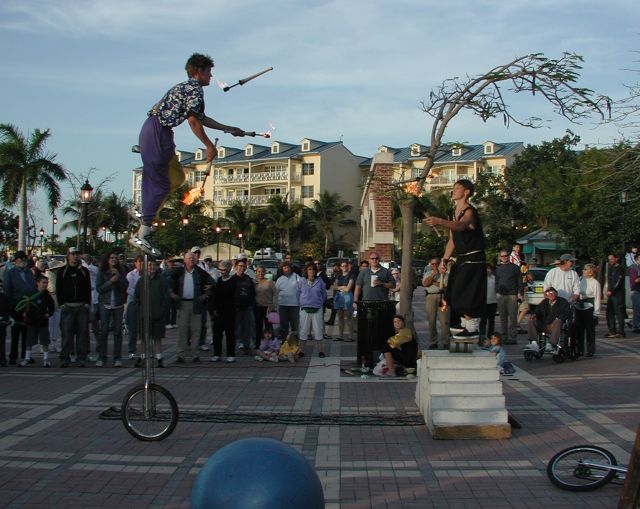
(258, 358)
(215, 358)
(23, 363)
(132, 356)
(92, 357)
(205, 348)
(230, 359)
(533, 345)
(99, 364)
(117, 364)
(548, 348)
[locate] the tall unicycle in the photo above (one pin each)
(149, 411)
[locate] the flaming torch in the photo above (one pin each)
(196, 192)
(241, 82)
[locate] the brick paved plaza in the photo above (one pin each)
(56, 451)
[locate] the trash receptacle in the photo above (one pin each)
(375, 326)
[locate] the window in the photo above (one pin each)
(274, 190)
(307, 191)
(306, 146)
(199, 176)
(248, 150)
(488, 148)
(275, 148)
(229, 172)
(307, 169)
(199, 155)
(456, 151)
(416, 172)
(221, 153)
(415, 150)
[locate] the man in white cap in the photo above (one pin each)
(564, 279)
(197, 251)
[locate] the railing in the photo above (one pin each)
(268, 176)
(258, 199)
(234, 179)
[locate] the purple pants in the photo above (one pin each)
(157, 149)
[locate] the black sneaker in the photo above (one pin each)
(196, 360)
(321, 355)
(160, 363)
(179, 360)
(465, 334)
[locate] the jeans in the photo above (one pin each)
(245, 327)
(615, 313)
(74, 325)
(189, 325)
(106, 317)
(131, 319)
(508, 311)
(289, 320)
(435, 312)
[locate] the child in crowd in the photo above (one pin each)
(159, 304)
(494, 345)
(269, 348)
(36, 310)
(290, 349)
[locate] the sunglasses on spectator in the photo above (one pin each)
(374, 258)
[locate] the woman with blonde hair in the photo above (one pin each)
(587, 310)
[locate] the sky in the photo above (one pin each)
(353, 70)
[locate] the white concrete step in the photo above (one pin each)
(444, 359)
(466, 417)
(463, 375)
(468, 402)
(465, 389)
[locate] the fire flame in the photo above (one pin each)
(222, 84)
(413, 188)
(192, 195)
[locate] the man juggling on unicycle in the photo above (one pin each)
(161, 170)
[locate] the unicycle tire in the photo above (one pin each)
(567, 471)
(154, 421)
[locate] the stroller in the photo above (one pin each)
(567, 345)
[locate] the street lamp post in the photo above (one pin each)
(53, 230)
(41, 242)
(218, 230)
(185, 222)
(85, 197)
(240, 236)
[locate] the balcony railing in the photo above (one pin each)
(269, 176)
(258, 199)
(261, 176)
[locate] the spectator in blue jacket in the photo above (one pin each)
(312, 292)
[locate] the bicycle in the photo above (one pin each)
(584, 468)
(149, 411)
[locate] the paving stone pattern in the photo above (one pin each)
(55, 451)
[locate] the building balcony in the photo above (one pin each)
(261, 177)
(258, 199)
(269, 176)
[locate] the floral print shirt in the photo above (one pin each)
(182, 99)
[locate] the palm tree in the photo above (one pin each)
(239, 218)
(282, 217)
(115, 214)
(328, 214)
(25, 166)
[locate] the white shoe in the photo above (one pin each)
(533, 345)
(132, 356)
(117, 364)
(99, 364)
(23, 363)
(548, 348)
(258, 358)
(205, 348)
(230, 359)
(215, 358)
(92, 357)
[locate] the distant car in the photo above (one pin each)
(270, 265)
(535, 288)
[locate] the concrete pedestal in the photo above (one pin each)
(460, 395)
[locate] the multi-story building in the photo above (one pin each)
(299, 172)
(452, 162)
(253, 174)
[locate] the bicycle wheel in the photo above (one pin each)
(149, 415)
(581, 468)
